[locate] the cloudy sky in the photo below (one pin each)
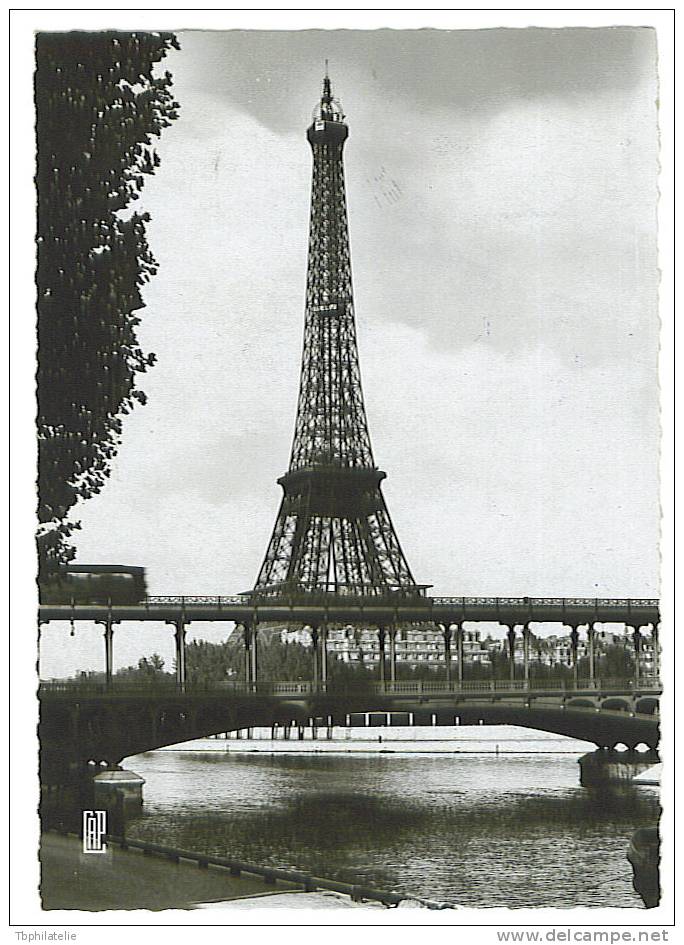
(502, 189)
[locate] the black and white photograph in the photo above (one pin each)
(345, 410)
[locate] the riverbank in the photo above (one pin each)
(126, 879)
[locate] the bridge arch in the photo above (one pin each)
(582, 703)
(647, 705)
(616, 704)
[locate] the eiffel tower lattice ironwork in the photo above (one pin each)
(333, 533)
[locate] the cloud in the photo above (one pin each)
(269, 74)
(501, 190)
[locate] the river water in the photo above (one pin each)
(453, 820)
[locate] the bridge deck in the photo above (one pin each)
(506, 610)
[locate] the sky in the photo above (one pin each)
(502, 189)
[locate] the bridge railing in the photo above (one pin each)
(619, 603)
(313, 594)
(125, 687)
(229, 687)
(550, 609)
(517, 685)
(196, 600)
(399, 687)
(397, 594)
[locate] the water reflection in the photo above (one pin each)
(475, 830)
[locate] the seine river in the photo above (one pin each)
(456, 821)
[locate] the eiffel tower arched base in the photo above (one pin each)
(334, 536)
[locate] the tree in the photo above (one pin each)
(155, 664)
(98, 107)
(209, 663)
(616, 661)
(149, 671)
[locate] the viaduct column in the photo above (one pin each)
(324, 655)
(458, 637)
(636, 641)
(591, 640)
(179, 636)
(180, 655)
(656, 648)
(255, 654)
(574, 645)
(247, 641)
(381, 642)
(109, 651)
(315, 654)
(447, 648)
(108, 636)
(510, 635)
(526, 633)
(393, 654)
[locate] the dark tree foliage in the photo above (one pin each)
(209, 663)
(149, 672)
(616, 661)
(98, 108)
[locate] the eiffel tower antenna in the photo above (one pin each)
(333, 534)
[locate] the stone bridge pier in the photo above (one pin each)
(606, 766)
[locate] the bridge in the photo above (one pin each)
(81, 723)
(103, 724)
(319, 611)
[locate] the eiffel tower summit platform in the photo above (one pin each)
(333, 534)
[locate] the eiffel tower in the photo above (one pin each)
(333, 534)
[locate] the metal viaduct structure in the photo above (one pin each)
(448, 613)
